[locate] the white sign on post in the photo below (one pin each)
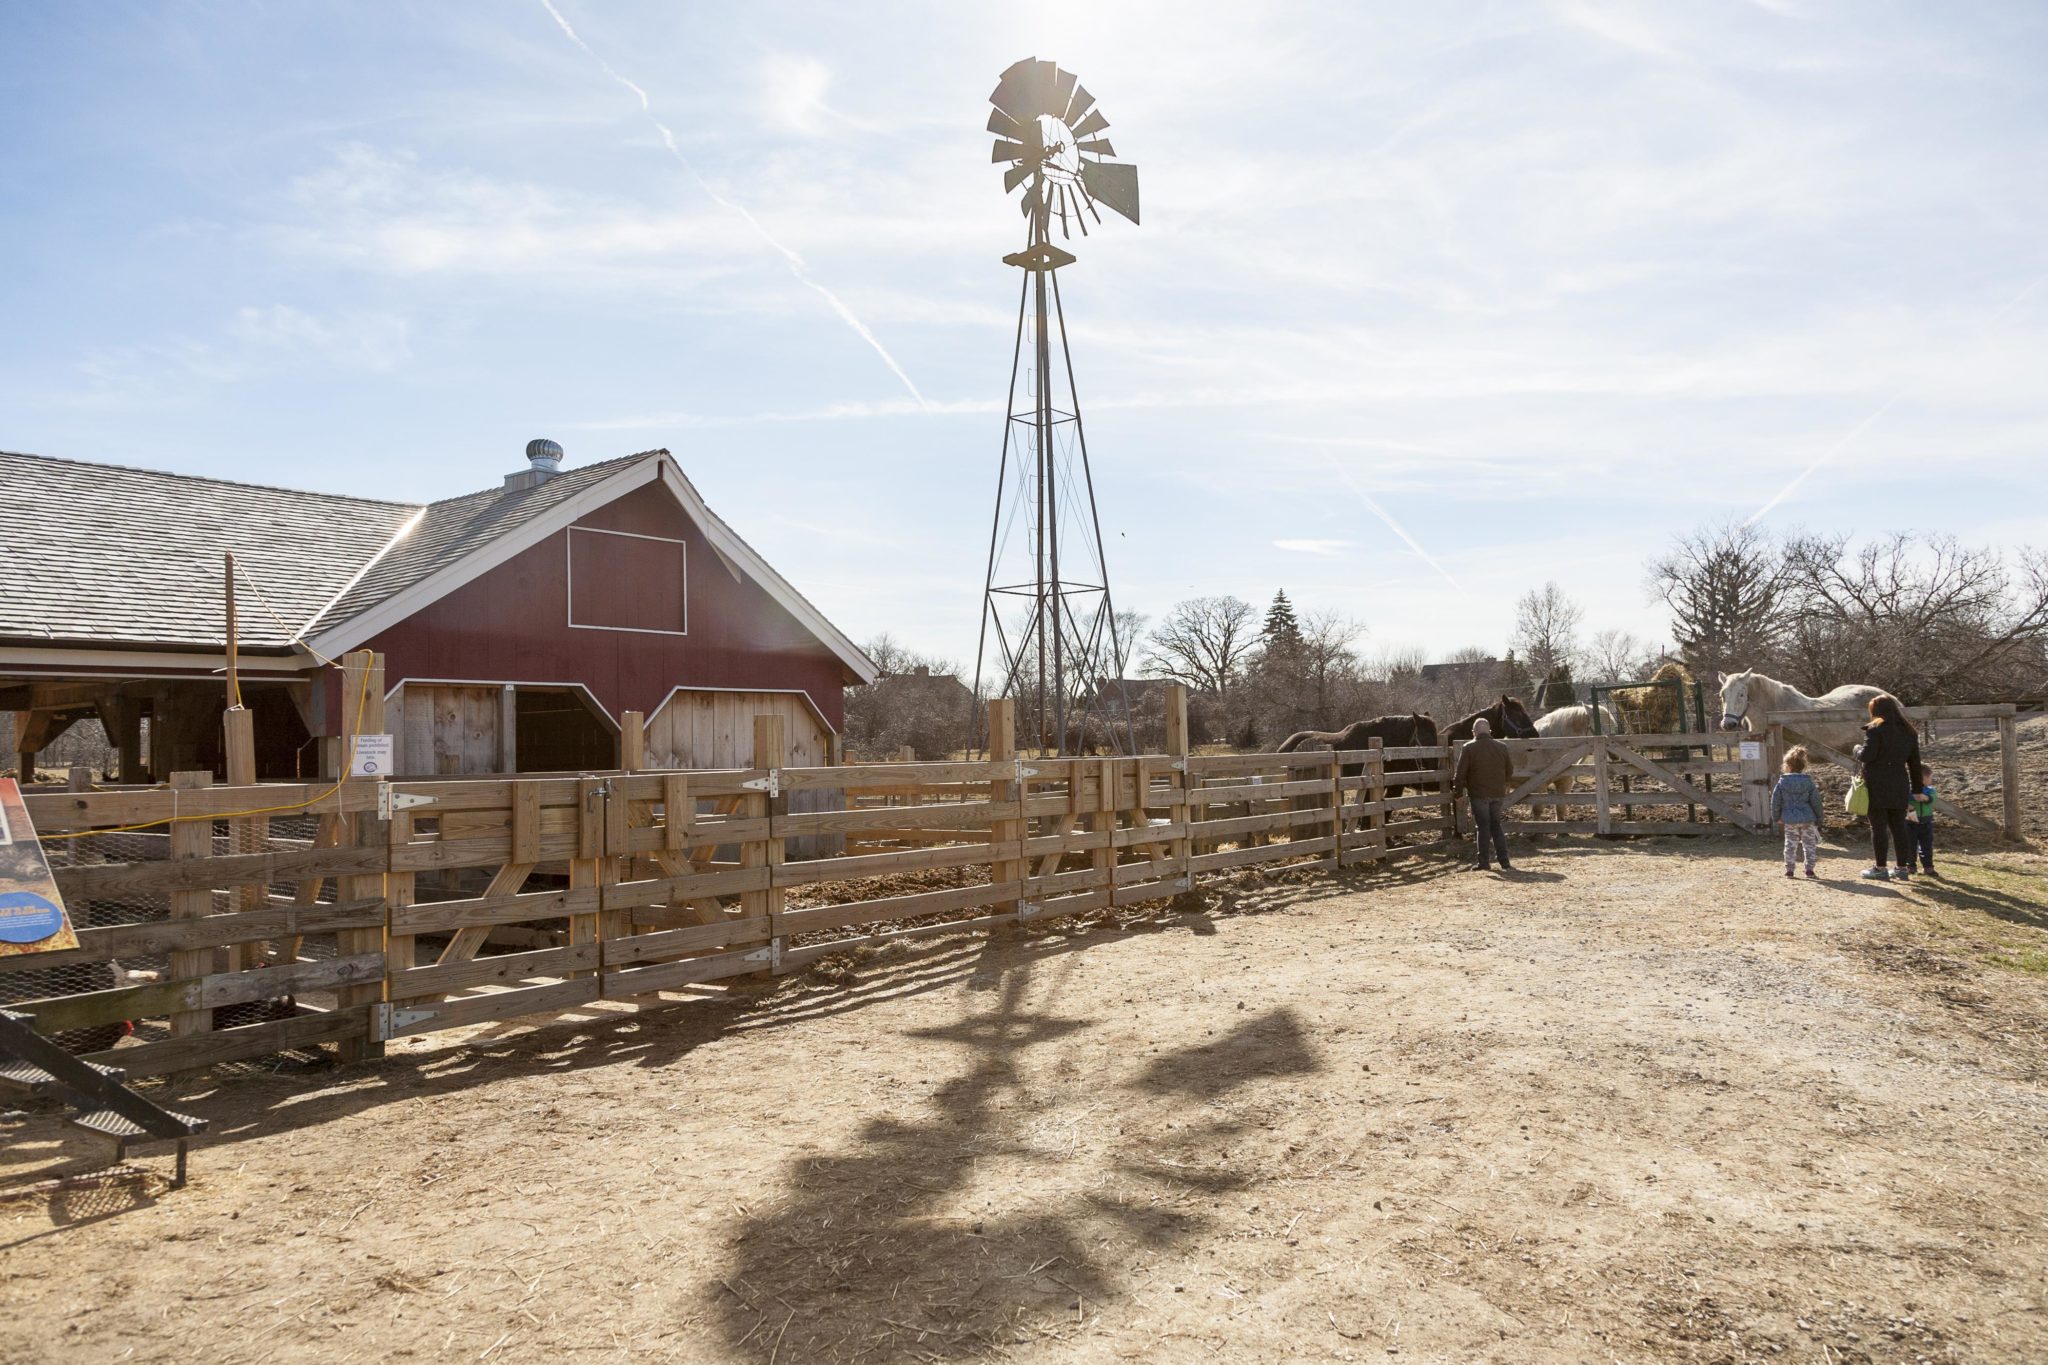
(1752, 748)
(372, 757)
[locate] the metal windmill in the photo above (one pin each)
(1048, 627)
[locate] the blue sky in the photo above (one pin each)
(1545, 284)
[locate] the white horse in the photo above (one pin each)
(1747, 697)
(1572, 722)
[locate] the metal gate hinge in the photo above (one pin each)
(772, 784)
(390, 800)
(388, 1021)
(1029, 909)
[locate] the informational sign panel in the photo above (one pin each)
(32, 918)
(372, 757)
(1752, 748)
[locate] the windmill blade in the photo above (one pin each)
(1089, 200)
(1100, 146)
(1002, 125)
(1005, 150)
(1060, 207)
(1014, 177)
(1077, 105)
(1115, 183)
(1063, 83)
(1030, 202)
(1012, 92)
(1094, 123)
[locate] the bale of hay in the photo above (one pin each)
(1655, 710)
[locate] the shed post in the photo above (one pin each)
(251, 833)
(508, 729)
(632, 741)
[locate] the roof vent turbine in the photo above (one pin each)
(544, 461)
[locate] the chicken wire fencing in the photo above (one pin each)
(21, 979)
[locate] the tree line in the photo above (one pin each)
(1929, 618)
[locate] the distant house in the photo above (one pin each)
(517, 623)
(941, 691)
(1478, 675)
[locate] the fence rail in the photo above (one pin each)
(376, 910)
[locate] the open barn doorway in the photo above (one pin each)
(473, 729)
(561, 730)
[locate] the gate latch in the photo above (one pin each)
(388, 1021)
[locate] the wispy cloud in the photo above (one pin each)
(790, 258)
(1323, 549)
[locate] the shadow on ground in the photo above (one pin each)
(977, 1226)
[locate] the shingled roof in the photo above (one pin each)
(111, 556)
(102, 554)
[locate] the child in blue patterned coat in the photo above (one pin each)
(1795, 804)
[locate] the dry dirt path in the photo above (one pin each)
(1634, 1104)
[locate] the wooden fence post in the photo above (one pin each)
(771, 751)
(1756, 775)
(1180, 780)
(2009, 774)
(1002, 748)
(252, 833)
(1376, 793)
(191, 839)
(1336, 812)
(362, 713)
(1602, 789)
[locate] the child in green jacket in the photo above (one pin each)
(1920, 819)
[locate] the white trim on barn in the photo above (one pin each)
(569, 580)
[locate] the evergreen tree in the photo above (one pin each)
(1282, 631)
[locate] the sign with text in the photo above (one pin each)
(1752, 749)
(373, 757)
(32, 918)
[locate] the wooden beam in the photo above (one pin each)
(632, 741)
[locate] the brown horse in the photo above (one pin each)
(1508, 717)
(1394, 732)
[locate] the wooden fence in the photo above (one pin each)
(235, 922)
(1633, 784)
(1815, 729)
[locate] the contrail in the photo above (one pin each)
(1392, 525)
(790, 258)
(1834, 452)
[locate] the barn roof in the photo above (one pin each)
(113, 556)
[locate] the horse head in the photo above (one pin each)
(1424, 729)
(1735, 700)
(1514, 719)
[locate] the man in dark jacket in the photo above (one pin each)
(1486, 774)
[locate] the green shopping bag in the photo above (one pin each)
(1858, 800)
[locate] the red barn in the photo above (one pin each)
(517, 623)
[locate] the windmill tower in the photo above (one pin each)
(1048, 625)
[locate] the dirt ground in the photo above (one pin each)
(1632, 1103)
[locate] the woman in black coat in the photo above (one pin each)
(1890, 754)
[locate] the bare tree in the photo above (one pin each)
(918, 702)
(1926, 617)
(1620, 656)
(1312, 681)
(1725, 585)
(1204, 643)
(1547, 631)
